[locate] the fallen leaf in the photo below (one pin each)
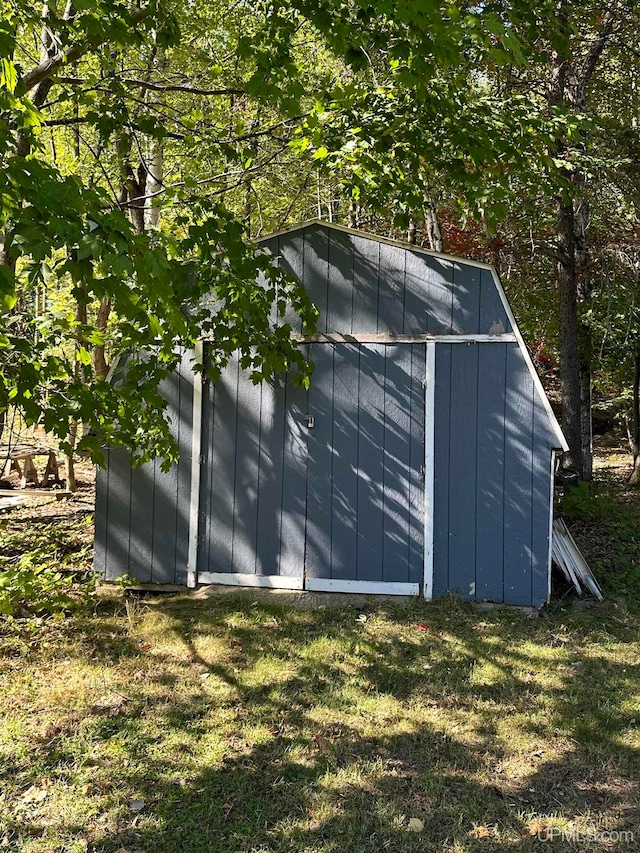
(87, 789)
(416, 825)
(479, 832)
(537, 828)
(52, 731)
(322, 742)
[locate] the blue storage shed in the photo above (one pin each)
(420, 461)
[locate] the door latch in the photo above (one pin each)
(311, 421)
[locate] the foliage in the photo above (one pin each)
(605, 523)
(62, 231)
(45, 569)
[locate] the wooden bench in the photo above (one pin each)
(22, 461)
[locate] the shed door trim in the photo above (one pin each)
(429, 466)
(196, 448)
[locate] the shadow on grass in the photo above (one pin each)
(322, 768)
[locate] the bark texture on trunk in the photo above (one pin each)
(568, 87)
(634, 479)
(434, 232)
(569, 358)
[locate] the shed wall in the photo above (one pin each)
(492, 476)
(142, 514)
(363, 285)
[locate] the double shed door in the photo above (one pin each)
(320, 489)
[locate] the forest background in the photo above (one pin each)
(143, 146)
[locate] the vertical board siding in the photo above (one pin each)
(491, 477)
(101, 516)
(397, 454)
(441, 484)
(272, 419)
(320, 464)
(340, 274)
(465, 313)
(316, 270)
(493, 317)
(492, 365)
(518, 477)
(164, 498)
(438, 282)
(252, 512)
(118, 513)
(247, 449)
(207, 480)
(221, 461)
(366, 273)
(184, 423)
(344, 487)
(141, 530)
(294, 481)
(428, 294)
(542, 484)
(416, 471)
(146, 508)
(290, 251)
(391, 292)
(360, 514)
(462, 469)
(370, 462)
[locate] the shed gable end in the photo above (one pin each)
(364, 285)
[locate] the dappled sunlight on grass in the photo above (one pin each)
(233, 725)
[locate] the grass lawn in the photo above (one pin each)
(198, 726)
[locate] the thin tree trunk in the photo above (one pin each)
(434, 233)
(569, 359)
(634, 479)
(585, 338)
(100, 364)
(70, 457)
(568, 86)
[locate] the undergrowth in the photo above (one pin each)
(45, 567)
(605, 521)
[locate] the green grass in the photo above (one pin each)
(249, 726)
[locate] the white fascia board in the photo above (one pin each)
(240, 579)
(365, 587)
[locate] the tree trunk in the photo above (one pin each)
(634, 479)
(585, 338)
(70, 460)
(434, 234)
(155, 178)
(100, 364)
(569, 359)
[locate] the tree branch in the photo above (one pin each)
(47, 67)
(177, 87)
(588, 66)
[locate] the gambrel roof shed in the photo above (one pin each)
(419, 462)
